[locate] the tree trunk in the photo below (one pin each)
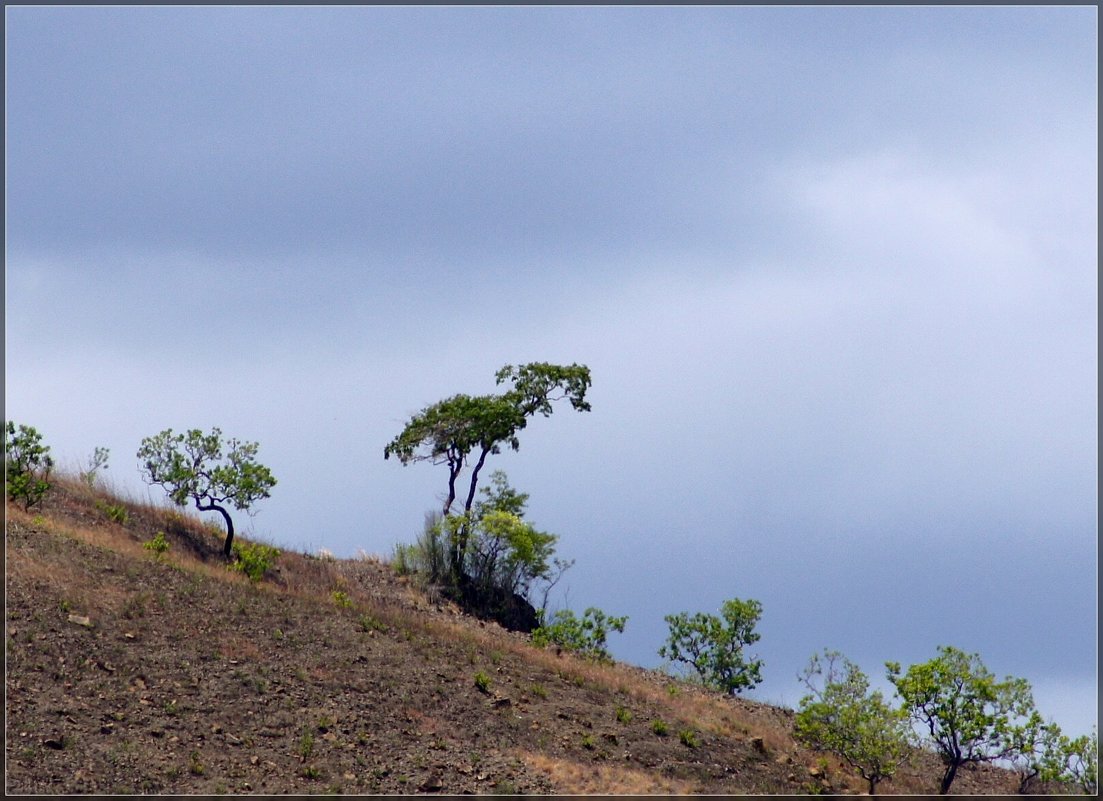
(948, 779)
(227, 549)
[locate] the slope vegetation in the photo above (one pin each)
(129, 672)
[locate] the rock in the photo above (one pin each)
(431, 785)
(80, 620)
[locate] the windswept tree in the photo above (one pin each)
(462, 430)
(202, 468)
(969, 715)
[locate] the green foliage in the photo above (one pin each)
(659, 727)
(969, 716)
(503, 556)
(341, 598)
(688, 738)
(1050, 756)
(158, 544)
(202, 468)
(586, 635)
(845, 718)
(96, 462)
(254, 559)
(452, 430)
(369, 624)
(482, 682)
(713, 646)
(27, 464)
(114, 512)
(624, 714)
(1079, 759)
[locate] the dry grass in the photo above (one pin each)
(578, 778)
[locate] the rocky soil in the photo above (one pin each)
(132, 673)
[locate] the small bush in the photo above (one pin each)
(482, 681)
(585, 636)
(659, 727)
(341, 598)
(114, 512)
(624, 714)
(254, 559)
(96, 462)
(159, 545)
(369, 623)
(688, 738)
(28, 464)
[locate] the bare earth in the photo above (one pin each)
(127, 673)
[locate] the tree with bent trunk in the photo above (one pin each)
(202, 468)
(970, 717)
(463, 429)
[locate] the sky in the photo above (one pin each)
(833, 270)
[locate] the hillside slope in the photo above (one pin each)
(129, 673)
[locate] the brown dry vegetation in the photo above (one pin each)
(129, 673)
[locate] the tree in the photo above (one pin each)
(462, 427)
(845, 718)
(1073, 763)
(1080, 762)
(970, 716)
(713, 646)
(27, 464)
(212, 473)
(585, 636)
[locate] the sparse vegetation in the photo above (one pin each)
(314, 697)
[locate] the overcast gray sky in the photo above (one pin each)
(834, 271)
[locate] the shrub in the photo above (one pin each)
(28, 464)
(624, 714)
(254, 559)
(97, 461)
(585, 636)
(159, 545)
(482, 681)
(713, 646)
(341, 598)
(115, 512)
(688, 738)
(659, 727)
